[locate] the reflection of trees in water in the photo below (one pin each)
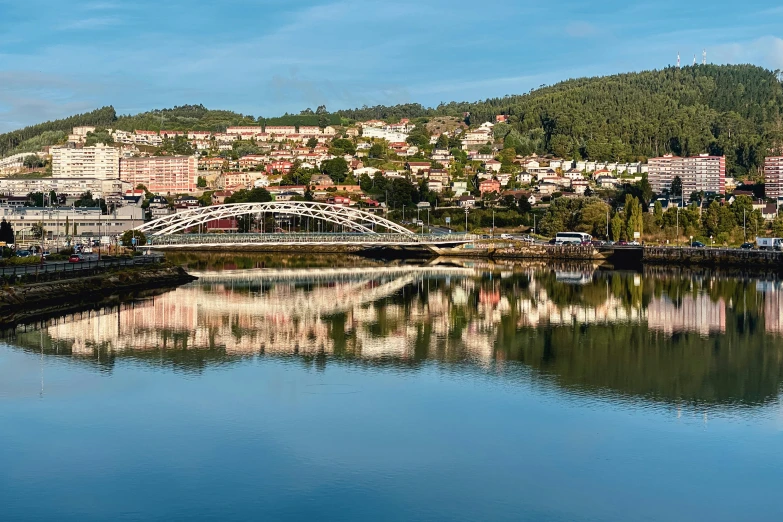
(200, 261)
(493, 320)
(632, 360)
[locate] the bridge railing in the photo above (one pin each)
(304, 238)
(64, 270)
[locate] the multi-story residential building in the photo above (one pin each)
(245, 131)
(68, 187)
(309, 131)
(99, 162)
(79, 134)
(145, 137)
(698, 173)
(773, 177)
(16, 161)
(199, 135)
(125, 137)
(161, 174)
(280, 130)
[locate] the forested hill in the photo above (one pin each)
(50, 132)
(728, 109)
(184, 117)
(732, 110)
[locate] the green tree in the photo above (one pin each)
(336, 168)
(37, 230)
(342, 146)
(254, 195)
(127, 238)
(378, 150)
(658, 213)
(312, 143)
(633, 215)
(6, 232)
(617, 226)
(676, 188)
(646, 190)
(33, 161)
(201, 182)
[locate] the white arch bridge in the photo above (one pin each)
(319, 224)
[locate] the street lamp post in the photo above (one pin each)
(691, 244)
(493, 222)
(466, 220)
(677, 231)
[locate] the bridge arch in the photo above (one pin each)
(350, 218)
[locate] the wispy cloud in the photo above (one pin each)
(96, 22)
(766, 51)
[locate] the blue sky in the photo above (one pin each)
(267, 57)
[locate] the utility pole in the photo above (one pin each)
(744, 230)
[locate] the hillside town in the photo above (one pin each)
(131, 177)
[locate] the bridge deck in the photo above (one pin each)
(303, 239)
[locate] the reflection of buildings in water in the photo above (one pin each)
(460, 315)
(694, 314)
(773, 305)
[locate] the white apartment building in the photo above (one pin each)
(99, 162)
(161, 174)
(773, 177)
(390, 136)
(70, 187)
(697, 173)
(16, 161)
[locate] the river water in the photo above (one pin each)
(323, 390)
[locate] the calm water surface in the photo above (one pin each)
(373, 392)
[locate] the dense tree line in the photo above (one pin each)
(185, 117)
(56, 129)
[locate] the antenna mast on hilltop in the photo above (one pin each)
(704, 56)
(678, 59)
(694, 59)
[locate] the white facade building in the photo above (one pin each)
(99, 162)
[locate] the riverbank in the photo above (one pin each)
(28, 302)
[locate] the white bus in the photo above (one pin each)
(572, 238)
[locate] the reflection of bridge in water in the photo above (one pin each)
(586, 335)
(264, 275)
(354, 288)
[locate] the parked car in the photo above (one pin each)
(622, 242)
(484, 236)
(697, 244)
(76, 258)
(23, 253)
(597, 242)
(747, 246)
(506, 236)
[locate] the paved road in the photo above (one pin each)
(90, 262)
